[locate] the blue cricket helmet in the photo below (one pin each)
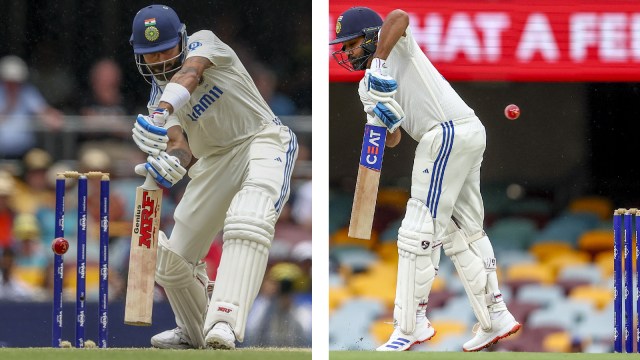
(155, 28)
(353, 22)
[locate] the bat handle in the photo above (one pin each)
(150, 183)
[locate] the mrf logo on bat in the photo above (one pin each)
(145, 215)
(373, 147)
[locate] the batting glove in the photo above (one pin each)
(159, 117)
(150, 139)
(388, 114)
(380, 86)
(164, 168)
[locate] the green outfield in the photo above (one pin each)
(415, 355)
(152, 354)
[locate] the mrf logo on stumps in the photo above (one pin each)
(146, 213)
(373, 147)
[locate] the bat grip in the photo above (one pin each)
(150, 183)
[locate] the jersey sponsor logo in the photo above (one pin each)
(194, 45)
(205, 102)
(373, 147)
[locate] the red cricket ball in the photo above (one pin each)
(60, 246)
(512, 112)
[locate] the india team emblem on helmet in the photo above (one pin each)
(151, 33)
(353, 23)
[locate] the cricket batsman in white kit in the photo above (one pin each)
(401, 88)
(239, 158)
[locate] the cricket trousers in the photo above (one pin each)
(446, 174)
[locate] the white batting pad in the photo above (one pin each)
(471, 271)
(415, 267)
(482, 247)
(248, 231)
(186, 288)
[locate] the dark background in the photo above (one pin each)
(60, 40)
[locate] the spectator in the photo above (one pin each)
(7, 212)
(273, 316)
(19, 102)
(30, 250)
(266, 81)
(302, 193)
(106, 97)
(95, 159)
(34, 192)
(301, 255)
(11, 288)
(46, 212)
(106, 105)
(301, 207)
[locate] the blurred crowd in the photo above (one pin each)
(69, 93)
(555, 269)
(35, 139)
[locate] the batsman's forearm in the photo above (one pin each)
(184, 156)
(393, 138)
(178, 145)
(394, 26)
(190, 74)
(193, 161)
(189, 77)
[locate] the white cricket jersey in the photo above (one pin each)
(226, 108)
(425, 96)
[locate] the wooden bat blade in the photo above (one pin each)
(364, 203)
(366, 193)
(142, 258)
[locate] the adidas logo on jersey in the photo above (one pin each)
(278, 159)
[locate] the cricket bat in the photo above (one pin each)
(364, 200)
(142, 258)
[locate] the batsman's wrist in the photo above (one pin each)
(378, 64)
(176, 95)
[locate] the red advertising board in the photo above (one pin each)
(518, 40)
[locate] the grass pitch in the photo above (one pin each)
(153, 354)
(420, 355)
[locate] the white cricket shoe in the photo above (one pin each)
(221, 336)
(172, 339)
(400, 341)
(502, 326)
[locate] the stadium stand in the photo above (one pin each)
(555, 269)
